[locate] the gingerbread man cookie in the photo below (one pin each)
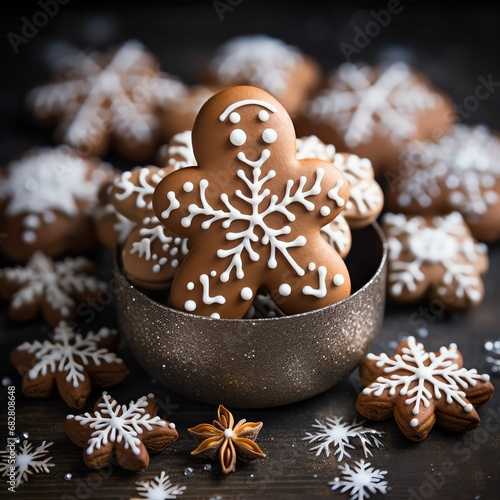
(268, 63)
(434, 257)
(374, 111)
(151, 253)
(460, 171)
(421, 388)
(253, 212)
(47, 200)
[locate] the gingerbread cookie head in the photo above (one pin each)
(253, 212)
(151, 253)
(421, 388)
(434, 257)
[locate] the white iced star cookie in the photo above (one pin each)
(253, 212)
(434, 257)
(421, 388)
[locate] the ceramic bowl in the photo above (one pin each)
(266, 362)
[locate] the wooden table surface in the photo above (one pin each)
(444, 466)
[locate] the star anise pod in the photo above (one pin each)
(227, 441)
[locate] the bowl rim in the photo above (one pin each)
(383, 261)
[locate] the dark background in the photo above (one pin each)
(454, 44)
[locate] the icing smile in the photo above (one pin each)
(257, 163)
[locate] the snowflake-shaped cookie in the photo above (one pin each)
(108, 98)
(151, 253)
(158, 488)
(267, 63)
(52, 289)
(47, 198)
(366, 198)
(26, 461)
(253, 212)
(71, 361)
(131, 431)
(360, 481)
(460, 171)
(435, 257)
(421, 388)
(335, 431)
(373, 111)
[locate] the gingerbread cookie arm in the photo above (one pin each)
(186, 202)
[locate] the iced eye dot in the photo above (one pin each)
(263, 115)
(269, 135)
(238, 137)
(234, 117)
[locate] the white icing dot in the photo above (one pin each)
(234, 117)
(171, 425)
(146, 220)
(246, 293)
(311, 266)
(29, 237)
(285, 289)
(174, 251)
(188, 187)
(190, 305)
(32, 221)
(468, 408)
(174, 263)
(156, 268)
(414, 422)
(263, 115)
(269, 135)
(154, 256)
(338, 280)
(213, 273)
(190, 285)
(237, 137)
(324, 211)
(215, 315)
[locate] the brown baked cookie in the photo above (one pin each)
(178, 115)
(130, 431)
(366, 198)
(151, 253)
(268, 63)
(47, 198)
(421, 389)
(48, 288)
(112, 228)
(374, 111)
(70, 361)
(178, 152)
(112, 99)
(434, 257)
(458, 172)
(253, 212)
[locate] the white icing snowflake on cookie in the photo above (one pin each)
(115, 423)
(436, 253)
(73, 360)
(49, 287)
(424, 377)
(45, 182)
(335, 431)
(28, 460)
(462, 166)
(360, 481)
(362, 101)
(117, 98)
(178, 152)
